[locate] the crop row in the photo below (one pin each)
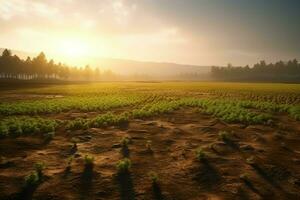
(98, 103)
(230, 111)
(16, 126)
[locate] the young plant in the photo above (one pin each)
(244, 177)
(225, 136)
(89, 161)
(32, 179)
(74, 147)
(125, 141)
(251, 160)
(123, 166)
(155, 185)
(200, 154)
(154, 178)
(69, 163)
(125, 150)
(39, 167)
(149, 146)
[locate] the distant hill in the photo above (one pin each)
(151, 68)
(132, 67)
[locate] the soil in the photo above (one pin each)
(274, 173)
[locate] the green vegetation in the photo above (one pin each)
(32, 180)
(69, 163)
(75, 103)
(123, 166)
(245, 177)
(295, 112)
(35, 177)
(225, 136)
(154, 177)
(125, 141)
(104, 120)
(251, 160)
(17, 126)
(200, 154)
(117, 104)
(39, 167)
(88, 161)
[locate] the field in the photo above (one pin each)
(148, 140)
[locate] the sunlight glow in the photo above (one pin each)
(74, 48)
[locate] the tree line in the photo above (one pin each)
(274, 72)
(39, 68)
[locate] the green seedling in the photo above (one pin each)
(69, 163)
(123, 166)
(153, 177)
(89, 161)
(125, 141)
(32, 179)
(244, 177)
(251, 160)
(225, 136)
(200, 154)
(39, 167)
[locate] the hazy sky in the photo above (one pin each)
(204, 32)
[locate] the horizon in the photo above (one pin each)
(201, 33)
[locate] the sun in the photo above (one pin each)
(73, 48)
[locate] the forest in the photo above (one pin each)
(39, 68)
(279, 72)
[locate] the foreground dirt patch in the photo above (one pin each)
(274, 173)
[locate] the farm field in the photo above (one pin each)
(150, 140)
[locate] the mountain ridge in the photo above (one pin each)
(131, 67)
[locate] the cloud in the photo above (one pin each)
(119, 10)
(8, 9)
(165, 36)
(26, 8)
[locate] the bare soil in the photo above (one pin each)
(175, 137)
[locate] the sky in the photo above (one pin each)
(201, 32)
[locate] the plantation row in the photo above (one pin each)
(77, 103)
(272, 97)
(226, 110)
(109, 101)
(275, 93)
